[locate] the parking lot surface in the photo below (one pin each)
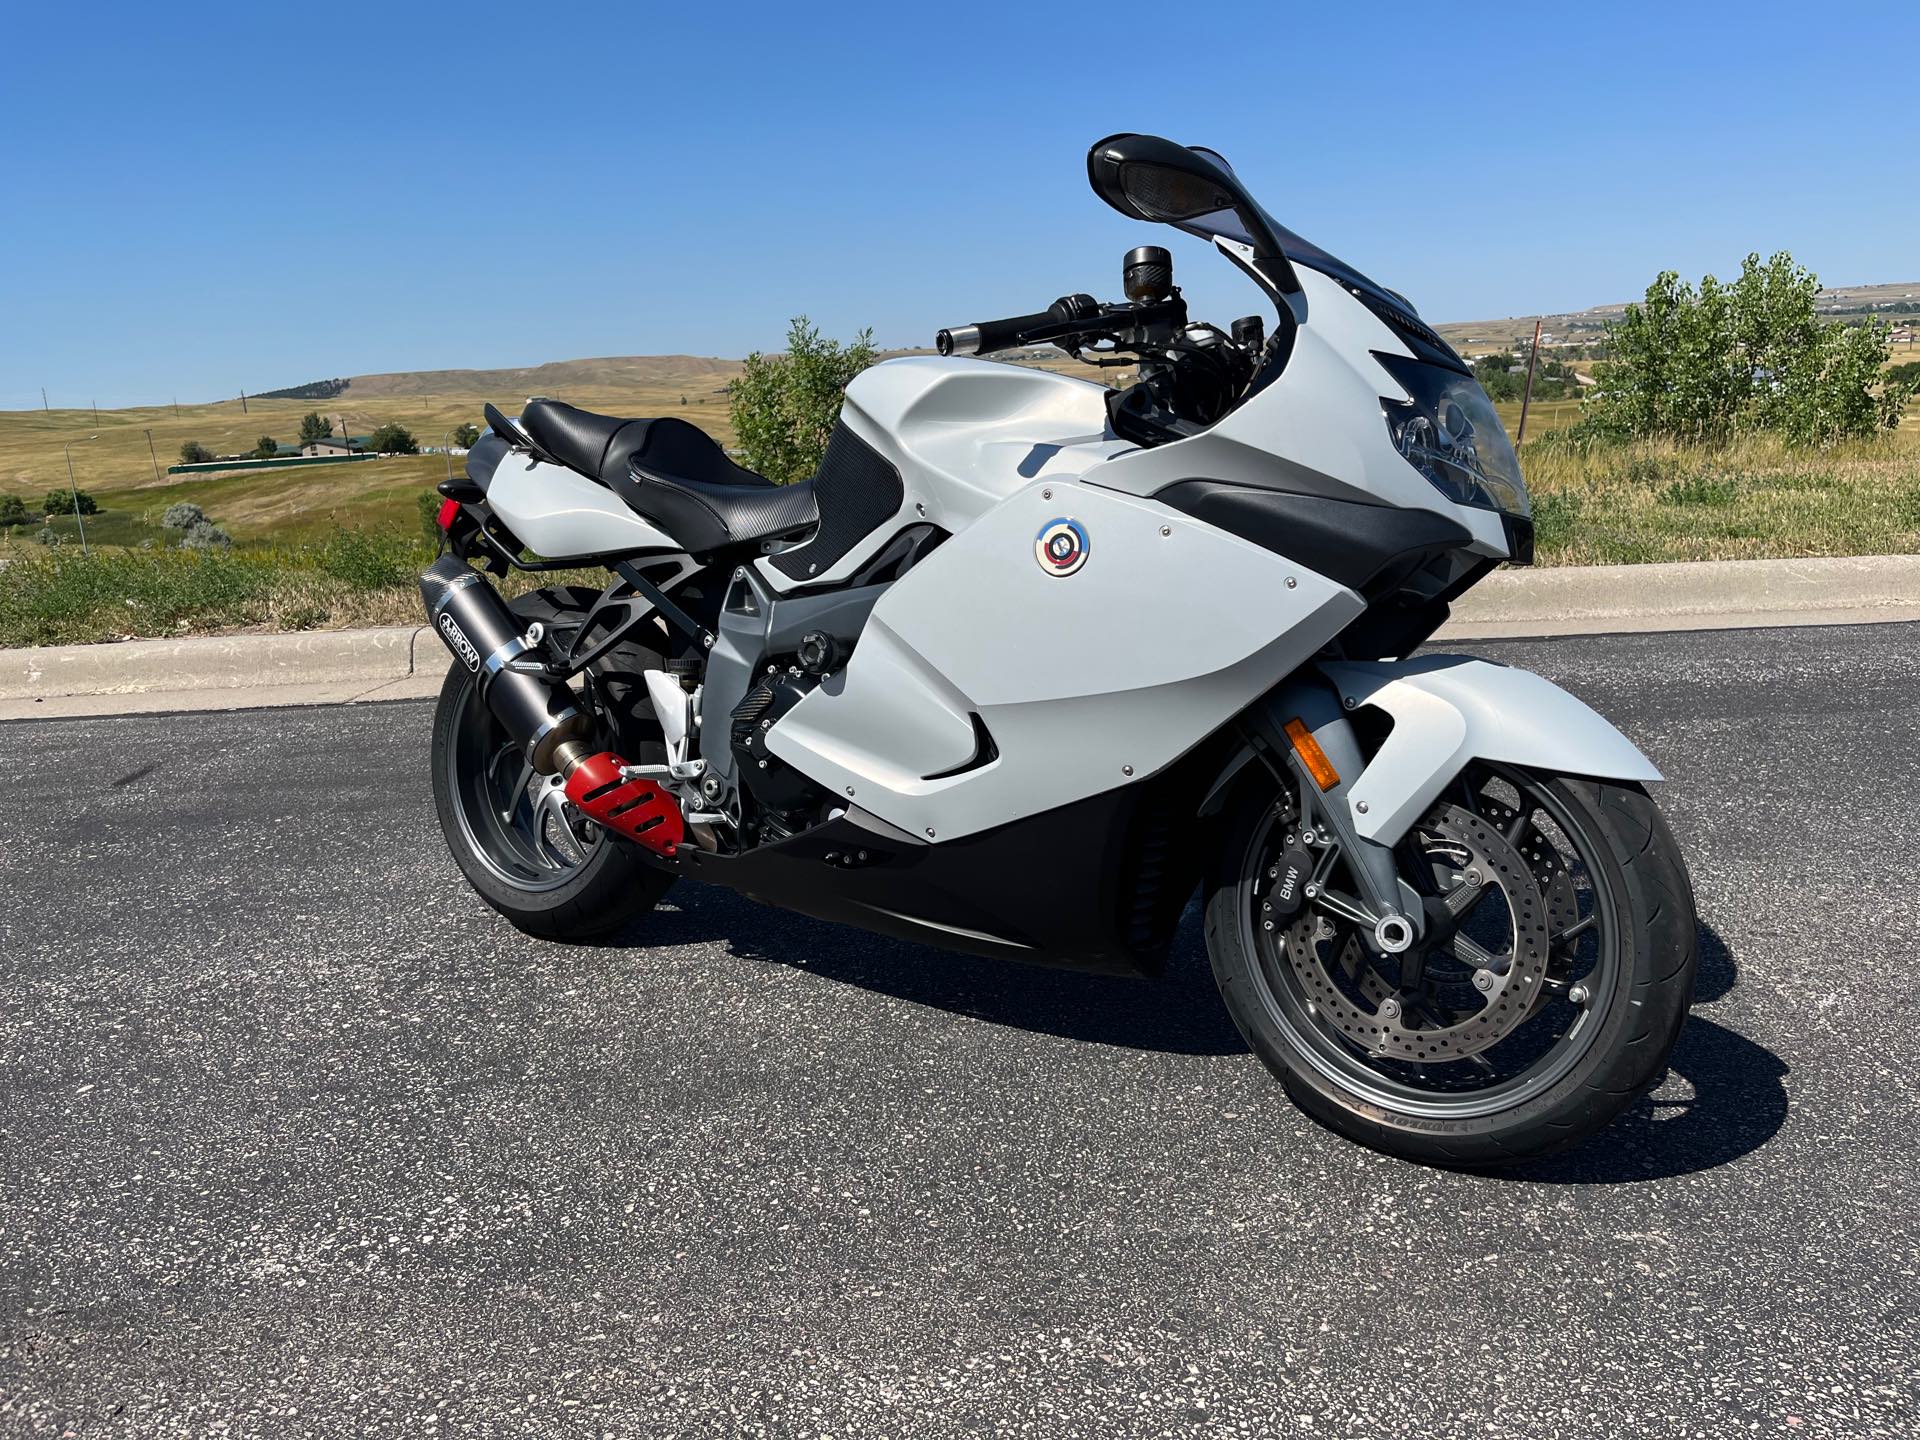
(297, 1137)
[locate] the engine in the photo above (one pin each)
(786, 800)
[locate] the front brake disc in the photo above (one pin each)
(1441, 1019)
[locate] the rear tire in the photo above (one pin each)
(1642, 988)
(589, 889)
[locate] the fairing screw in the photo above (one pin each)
(1046, 494)
(1268, 924)
(1126, 769)
(863, 855)
(929, 832)
(1292, 584)
(1351, 703)
(919, 507)
(1361, 806)
(763, 764)
(1166, 529)
(849, 789)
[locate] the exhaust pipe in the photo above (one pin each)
(479, 631)
(477, 628)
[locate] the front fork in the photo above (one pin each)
(1303, 735)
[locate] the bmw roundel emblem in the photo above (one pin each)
(1061, 546)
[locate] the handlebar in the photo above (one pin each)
(1064, 317)
(988, 335)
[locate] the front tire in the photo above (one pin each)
(525, 852)
(1598, 976)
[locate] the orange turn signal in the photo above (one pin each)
(1311, 755)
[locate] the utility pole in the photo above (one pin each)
(176, 407)
(243, 402)
(74, 491)
(96, 412)
(1526, 399)
(43, 401)
(153, 457)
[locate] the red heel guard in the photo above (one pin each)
(641, 810)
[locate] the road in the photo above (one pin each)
(298, 1138)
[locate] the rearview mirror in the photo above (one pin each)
(1154, 179)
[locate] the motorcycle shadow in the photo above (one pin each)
(1179, 1013)
(1723, 1098)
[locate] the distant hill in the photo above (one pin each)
(556, 377)
(1895, 303)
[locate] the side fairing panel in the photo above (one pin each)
(559, 512)
(964, 434)
(1085, 682)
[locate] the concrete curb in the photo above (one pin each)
(1692, 595)
(404, 662)
(220, 672)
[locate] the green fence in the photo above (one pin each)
(205, 466)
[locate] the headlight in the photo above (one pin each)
(1451, 434)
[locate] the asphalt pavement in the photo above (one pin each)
(297, 1137)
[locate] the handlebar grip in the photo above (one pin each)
(988, 335)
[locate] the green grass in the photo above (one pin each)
(1755, 499)
(331, 546)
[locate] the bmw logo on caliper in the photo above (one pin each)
(1061, 546)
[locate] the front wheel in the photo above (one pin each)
(1545, 996)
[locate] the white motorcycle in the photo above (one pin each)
(1032, 659)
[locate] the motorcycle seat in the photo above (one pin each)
(602, 446)
(703, 516)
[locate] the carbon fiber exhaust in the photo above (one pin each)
(480, 632)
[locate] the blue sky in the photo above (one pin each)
(198, 198)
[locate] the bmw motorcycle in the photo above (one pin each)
(1032, 660)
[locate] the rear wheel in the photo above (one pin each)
(1550, 986)
(526, 851)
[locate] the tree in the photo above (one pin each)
(393, 439)
(267, 448)
(1701, 365)
(314, 426)
(194, 453)
(465, 435)
(65, 502)
(784, 406)
(13, 510)
(182, 515)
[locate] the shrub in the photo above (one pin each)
(67, 502)
(367, 561)
(429, 507)
(267, 448)
(1700, 366)
(465, 435)
(13, 510)
(205, 535)
(393, 439)
(784, 406)
(194, 453)
(313, 426)
(183, 515)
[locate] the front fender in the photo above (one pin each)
(1448, 710)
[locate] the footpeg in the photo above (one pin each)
(639, 809)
